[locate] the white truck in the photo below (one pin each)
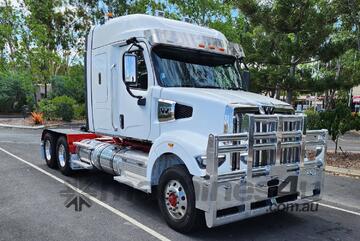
(168, 112)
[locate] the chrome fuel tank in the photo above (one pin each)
(113, 159)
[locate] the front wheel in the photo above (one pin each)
(177, 199)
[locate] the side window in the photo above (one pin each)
(142, 74)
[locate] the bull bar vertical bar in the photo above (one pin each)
(220, 144)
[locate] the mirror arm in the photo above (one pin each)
(134, 42)
(141, 100)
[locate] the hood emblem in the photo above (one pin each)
(268, 110)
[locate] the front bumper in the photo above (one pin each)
(257, 190)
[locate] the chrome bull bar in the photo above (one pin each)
(246, 192)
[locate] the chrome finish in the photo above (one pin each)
(47, 149)
(62, 155)
(232, 148)
(130, 61)
(276, 146)
(128, 165)
(166, 110)
(175, 199)
(112, 97)
(105, 158)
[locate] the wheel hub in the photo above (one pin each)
(48, 150)
(175, 199)
(61, 155)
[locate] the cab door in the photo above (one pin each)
(135, 114)
(100, 91)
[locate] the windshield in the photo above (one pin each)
(179, 67)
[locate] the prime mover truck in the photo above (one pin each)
(169, 113)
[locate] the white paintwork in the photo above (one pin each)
(137, 123)
(136, 25)
(188, 136)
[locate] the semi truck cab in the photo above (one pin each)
(169, 112)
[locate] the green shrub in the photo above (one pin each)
(79, 111)
(48, 108)
(13, 94)
(313, 119)
(72, 85)
(59, 107)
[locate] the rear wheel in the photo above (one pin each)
(176, 198)
(49, 150)
(63, 156)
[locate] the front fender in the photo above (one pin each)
(184, 144)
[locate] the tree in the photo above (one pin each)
(290, 31)
(202, 12)
(338, 121)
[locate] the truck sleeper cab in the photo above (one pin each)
(167, 109)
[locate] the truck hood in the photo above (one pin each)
(229, 96)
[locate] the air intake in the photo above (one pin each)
(183, 111)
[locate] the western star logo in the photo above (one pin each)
(269, 110)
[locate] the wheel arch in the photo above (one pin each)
(163, 162)
(172, 149)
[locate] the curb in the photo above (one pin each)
(22, 127)
(343, 171)
(42, 126)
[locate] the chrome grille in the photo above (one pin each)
(290, 152)
(239, 114)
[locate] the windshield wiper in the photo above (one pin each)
(208, 86)
(235, 88)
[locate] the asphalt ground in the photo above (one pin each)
(33, 201)
(349, 142)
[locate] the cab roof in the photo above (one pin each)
(138, 25)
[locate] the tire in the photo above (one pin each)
(49, 150)
(176, 199)
(63, 156)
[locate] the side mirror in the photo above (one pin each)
(130, 62)
(246, 79)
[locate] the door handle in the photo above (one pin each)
(122, 121)
(112, 97)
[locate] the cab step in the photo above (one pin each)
(134, 180)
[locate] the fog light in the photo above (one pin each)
(202, 160)
(316, 191)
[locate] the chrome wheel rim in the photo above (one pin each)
(48, 150)
(61, 155)
(175, 199)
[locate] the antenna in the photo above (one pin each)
(186, 19)
(159, 13)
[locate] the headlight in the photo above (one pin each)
(202, 160)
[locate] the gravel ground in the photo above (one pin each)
(344, 160)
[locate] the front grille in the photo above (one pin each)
(263, 158)
(292, 154)
(239, 114)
